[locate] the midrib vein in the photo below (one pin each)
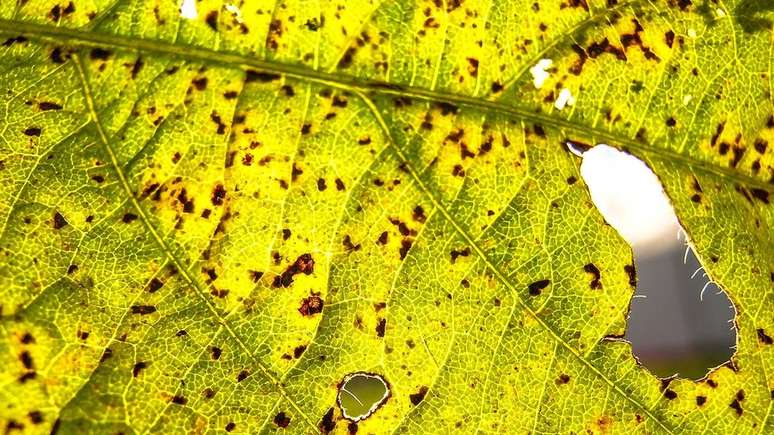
(165, 248)
(204, 55)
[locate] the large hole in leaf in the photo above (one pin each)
(680, 322)
(361, 394)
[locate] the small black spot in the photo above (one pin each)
(381, 326)
(537, 287)
(321, 184)
(242, 375)
(59, 221)
(27, 338)
(760, 195)
(32, 131)
(230, 95)
(298, 351)
(212, 20)
(26, 360)
(670, 394)
(591, 268)
(571, 180)
(700, 400)
(200, 83)
(736, 406)
(419, 396)
(218, 194)
(763, 338)
(282, 420)
(303, 264)
(671, 122)
(327, 424)
(129, 218)
(99, 54)
(306, 128)
(179, 400)
(230, 426)
(138, 367)
(632, 272)
(47, 105)
(143, 309)
(260, 76)
(215, 352)
(57, 56)
(35, 417)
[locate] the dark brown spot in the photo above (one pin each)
(99, 54)
(179, 400)
(138, 367)
(212, 20)
(129, 218)
(327, 423)
(537, 287)
(242, 375)
(215, 352)
(230, 426)
(303, 264)
(218, 194)
(32, 131)
(311, 305)
(282, 420)
(700, 400)
(763, 338)
(59, 221)
(47, 105)
(260, 76)
(143, 309)
(670, 394)
(562, 379)
(419, 396)
(36, 417)
(200, 83)
(381, 326)
(591, 268)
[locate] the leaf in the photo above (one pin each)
(210, 221)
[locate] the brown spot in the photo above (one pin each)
(230, 426)
(36, 417)
(419, 214)
(303, 264)
(138, 367)
(218, 194)
(282, 420)
(537, 287)
(670, 394)
(760, 195)
(99, 54)
(311, 305)
(260, 76)
(129, 218)
(179, 400)
(700, 400)
(763, 338)
(669, 38)
(242, 375)
(382, 238)
(405, 245)
(215, 352)
(321, 184)
(327, 424)
(736, 406)
(419, 396)
(26, 360)
(32, 131)
(632, 272)
(461, 253)
(230, 95)
(212, 20)
(562, 379)
(200, 83)
(381, 326)
(59, 221)
(298, 351)
(473, 67)
(47, 105)
(591, 268)
(143, 309)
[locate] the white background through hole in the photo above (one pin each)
(671, 327)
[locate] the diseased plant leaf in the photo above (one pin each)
(210, 221)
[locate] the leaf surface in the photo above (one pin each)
(210, 220)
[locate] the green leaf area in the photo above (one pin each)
(211, 219)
